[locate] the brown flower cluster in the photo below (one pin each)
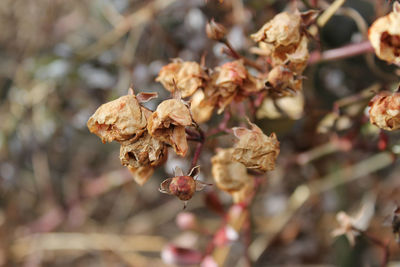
(384, 35)
(385, 110)
(143, 134)
(253, 150)
(209, 89)
(284, 40)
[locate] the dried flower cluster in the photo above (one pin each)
(385, 110)
(384, 35)
(143, 134)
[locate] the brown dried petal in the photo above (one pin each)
(385, 111)
(281, 81)
(188, 77)
(255, 149)
(229, 175)
(384, 35)
(141, 174)
(118, 120)
(168, 123)
(297, 59)
(283, 29)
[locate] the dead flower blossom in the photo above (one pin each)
(201, 108)
(384, 35)
(231, 81)
(120, 120)
(385, 110)
(255, 149)
(186, 76)
(141, 156)
(230, 176)
(168, 123)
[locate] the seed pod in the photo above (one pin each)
(183, 186)
(384, 35)
(215, 31)
(385, 110)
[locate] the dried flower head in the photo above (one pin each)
(183, 186)
(201, 107)
(229, 175)
(168, 123)
(215, 31)
(186, 76)
(255, 149)
(384, 35)
(282, 30)
(142, 155)
(287, 106)
(281, 81)
(385, 110)
(120, 120)
(229, 81)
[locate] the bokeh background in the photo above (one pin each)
(66, 200)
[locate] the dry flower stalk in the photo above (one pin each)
(385, 110)
(168, 123)
(384, 35)
(120, 120)
(185, 76)
(255, 149)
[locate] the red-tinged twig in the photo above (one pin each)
(341, 52)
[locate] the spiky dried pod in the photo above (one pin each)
(385, 110)
(229, 175)
(184, 76)
(255, 149)
(384, 35)
(120, 120)
(168, 123)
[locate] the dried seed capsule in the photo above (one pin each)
(215, 31)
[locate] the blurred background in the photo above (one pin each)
(66, 200)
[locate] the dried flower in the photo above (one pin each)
(229, 81)
(385, 110)
(120, 120)
(282, 81)
(282, 30)
(183, 186)
(168, 123)
(215, 31)
(254, 149)
(142, 155)
(201, 107)
(243, 195)
(287, 106)
(186, 76)
(384, 35)
(229, 175)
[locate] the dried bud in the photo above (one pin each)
(186, 76)
(142, 155)
(282, 30)
(229, 175)
(183, 186)
(384, 35)
(385, 110)
(215, 31)
(287, 106)
(254, 149)
(229, 81)
(201, 107)
(168, 123)
(120, 120)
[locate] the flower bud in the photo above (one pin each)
(215, 31)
